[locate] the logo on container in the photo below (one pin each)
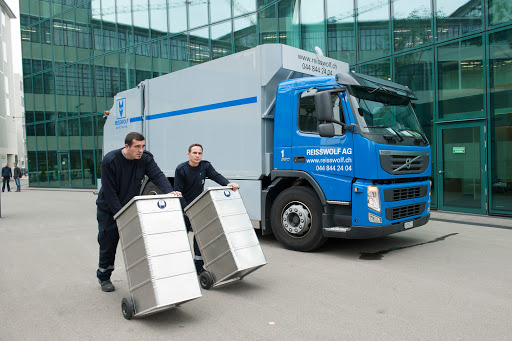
(161, 204)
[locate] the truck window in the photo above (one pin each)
(308, 122)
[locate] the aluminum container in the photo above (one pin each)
(157, 254)
(225, 235)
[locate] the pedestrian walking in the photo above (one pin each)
(6, 177)
(17, 177)
(122, 173)
(189, 179)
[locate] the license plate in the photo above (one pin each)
(408, 224)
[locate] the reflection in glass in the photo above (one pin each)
(75, 168)
(53, 169)
(462, 167)
(241, 7)
(373, 28)
(500, 11)
(199, 46)
(124, 13)
(380, 69)
(501, 120)
(411, 23)
(140, 14)
(341, 41)
(42, 167)
(219, 10)
(108, 11)
(267, 25)
(461, 79)
(221, 40)
(457, 17)
(177, 16)
(312, 25)
(158, 16)
(197, 13)
(288, 14)
(245, 33)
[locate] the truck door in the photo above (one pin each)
(328, 160)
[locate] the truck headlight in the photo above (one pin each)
(373, 198)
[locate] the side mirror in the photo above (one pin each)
(323, 106)
(326, 130)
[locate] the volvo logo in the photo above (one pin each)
(408, 163)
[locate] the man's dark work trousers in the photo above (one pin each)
(108, 236)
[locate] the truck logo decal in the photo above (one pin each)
(121, 113)
(227, 104)
(407, 164)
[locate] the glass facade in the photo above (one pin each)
(455, 55)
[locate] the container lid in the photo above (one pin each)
(204, 193)
(145, 197)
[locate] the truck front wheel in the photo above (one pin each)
(296, 218)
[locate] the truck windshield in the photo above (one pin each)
(385, 112)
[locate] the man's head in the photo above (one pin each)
(134, 145)
(195, 154)
(15, 164)
(6, 164)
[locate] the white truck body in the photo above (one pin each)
(225, 104)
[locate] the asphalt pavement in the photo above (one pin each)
(448, 280)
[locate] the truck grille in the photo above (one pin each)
(395, 213)
(397, 194)
(400, 162)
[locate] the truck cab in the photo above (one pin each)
(352, 144)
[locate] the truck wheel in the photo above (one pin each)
(151, 189)
(296, 218)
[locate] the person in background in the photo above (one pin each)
(6, 177)
(17, 177)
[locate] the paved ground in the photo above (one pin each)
(445, 281)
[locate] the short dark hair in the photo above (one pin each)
(133, 136)
(194, 145)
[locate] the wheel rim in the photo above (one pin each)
(125, 310)
(152, 192)
(296, 219)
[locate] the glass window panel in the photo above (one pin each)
(42, 167)
(197, 14)
(76, 168)
(288, 14)
(373, 27)
(500, 11)
(221, 40)
(219, 10)
(29, 115)
(380, 69)
(177, 16)
(312, 25)
(140, 14)
(411, 23)
(161, 54)
(341, 41)
(51, 136)
(158, 15)
(245, 33)
(461, 79)
(33, 177)
(124, 14)
(241, 7)
(53, 169)
(457, 17)
(500, 69)
(268, 25)
(89, 170)
(31, 137)
(199, 46)
(179, 52)
(62, 131)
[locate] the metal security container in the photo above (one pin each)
(157, 255)
(225, 236)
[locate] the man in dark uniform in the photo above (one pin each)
(122, 173)
(6, 177)
(189, 179)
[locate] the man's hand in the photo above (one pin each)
(234, 185)
(176, 193)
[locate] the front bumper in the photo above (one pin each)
(368, 232)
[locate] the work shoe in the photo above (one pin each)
(107, 285)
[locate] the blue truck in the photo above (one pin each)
(318, 151)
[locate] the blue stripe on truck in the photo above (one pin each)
(214, 106)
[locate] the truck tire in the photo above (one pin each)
(151, 189)
(296, 219)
